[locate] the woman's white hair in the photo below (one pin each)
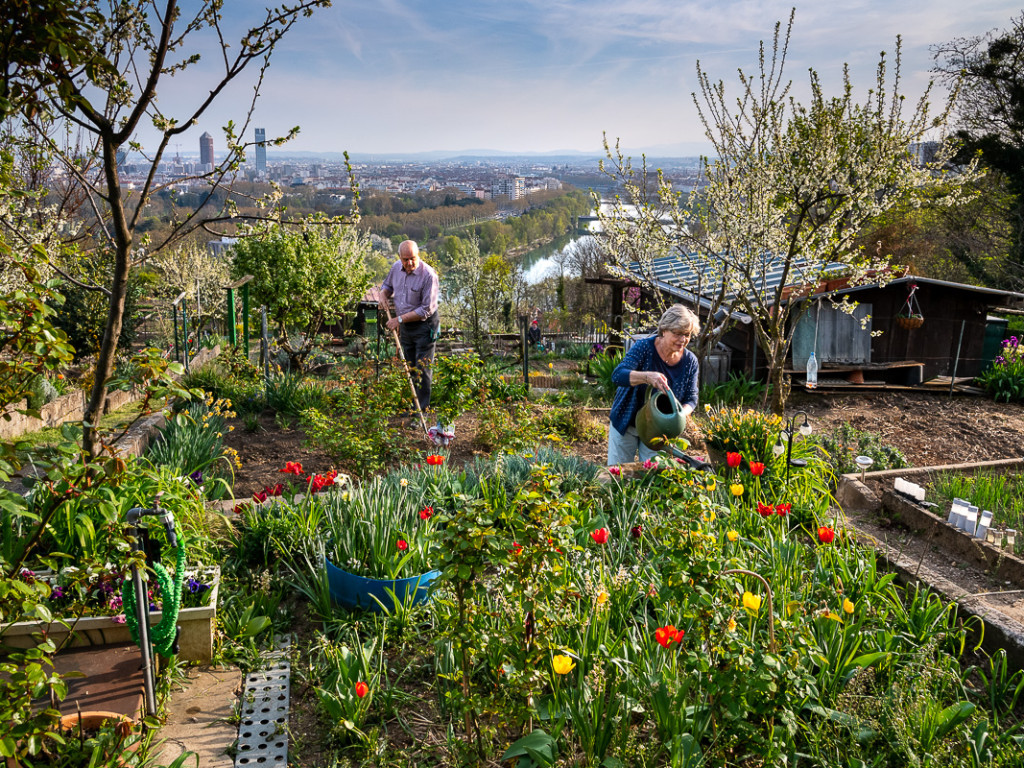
(679, 319)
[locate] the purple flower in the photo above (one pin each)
(197, 587)
(197, 477)
(57, 593)
(119, 619)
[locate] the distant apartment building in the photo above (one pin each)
(513, 187)
(261, 151)
(206, 152)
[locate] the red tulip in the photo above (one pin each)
(733, 459)
(600, 536)
(435, 460)
(259, 497)
(783, 509)
(292, 468)
(426, 513)
(636, 531)
(402, 545)
(757, 468)
(826, 535)
(764, 510)
(362, 689)
(667, 635)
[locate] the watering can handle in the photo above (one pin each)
(671, 397)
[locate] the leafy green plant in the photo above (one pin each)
(192, 444)
(571, 423)
(507, 427)
(602, 367)
(1005, 377)
(844, 443)
(751, 433)
(380, 529)
(737, 390)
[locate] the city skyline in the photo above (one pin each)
(404, 77)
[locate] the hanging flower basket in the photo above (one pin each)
(910, 322)
(910, 315)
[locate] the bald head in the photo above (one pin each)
(409, 255)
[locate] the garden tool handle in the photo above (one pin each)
(408, 375)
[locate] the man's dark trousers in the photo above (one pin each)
(418, 342)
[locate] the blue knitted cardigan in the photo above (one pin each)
(642, 356)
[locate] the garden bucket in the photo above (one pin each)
(659, 419)
(358, 592)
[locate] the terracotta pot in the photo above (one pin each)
(92, 720)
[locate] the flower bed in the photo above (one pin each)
(197, 624)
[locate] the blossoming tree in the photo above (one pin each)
(102, 90)
(788, 189)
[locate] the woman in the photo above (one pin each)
(662, 362)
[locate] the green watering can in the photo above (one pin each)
(659, 419)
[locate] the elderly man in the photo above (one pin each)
(413, 286)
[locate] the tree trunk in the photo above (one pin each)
(118, 293)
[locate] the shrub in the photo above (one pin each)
(1005, 378)
(572, 423)
(507, 427)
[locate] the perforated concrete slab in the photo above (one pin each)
(263, 731)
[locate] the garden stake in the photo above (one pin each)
(412, 387)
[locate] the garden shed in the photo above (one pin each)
(872, 347)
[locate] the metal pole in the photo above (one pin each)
(245, 317)
(232, 331)
(956, 360)
(142, 615)
(526, 351)
(264, 344)
(177, 350)
(184, 331)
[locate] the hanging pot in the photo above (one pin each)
(659, 419)
(910, 321)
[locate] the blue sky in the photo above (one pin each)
(379, 76)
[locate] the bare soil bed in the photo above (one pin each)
(929, 429)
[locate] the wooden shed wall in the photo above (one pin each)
(935, 343)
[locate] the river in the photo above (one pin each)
(542, 262)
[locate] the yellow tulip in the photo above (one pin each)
(732, 535)
(751, 601)
(710, 486)
(562, 665)
(848, 605)
(736, 489)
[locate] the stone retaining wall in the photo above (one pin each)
(71, 407)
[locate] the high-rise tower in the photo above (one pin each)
(261, 151)
(206, 150)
